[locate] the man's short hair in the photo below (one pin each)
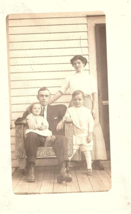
(43, 89)
(77, 93)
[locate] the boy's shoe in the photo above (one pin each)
(89, 172)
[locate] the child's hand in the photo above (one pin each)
(42, 128)
(89, 138)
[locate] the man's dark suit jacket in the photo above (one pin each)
(55, 114)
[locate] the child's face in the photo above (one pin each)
(36, 110)
(78, 100)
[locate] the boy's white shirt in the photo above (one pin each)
(82, 119)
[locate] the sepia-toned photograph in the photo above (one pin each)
(59, 107)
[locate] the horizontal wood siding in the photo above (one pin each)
(40, 49)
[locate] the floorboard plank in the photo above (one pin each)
(22, 187)
(108, 171)
(48, 180)
(13, 170)
(83, 181)
(108, 168)
(16, 178)
(106, 179)
(59, 187)
(34, 187)
(73, 186)
(96, 182)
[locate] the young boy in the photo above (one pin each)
(83, 124)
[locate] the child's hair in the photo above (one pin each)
(77, 93)
(31, 106)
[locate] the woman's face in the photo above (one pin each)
(78, 65)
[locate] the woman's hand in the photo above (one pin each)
(89, 138)
(60, 125)
(94, 114)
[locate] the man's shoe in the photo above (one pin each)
(31, 177)
(64, 177)
(24, 171)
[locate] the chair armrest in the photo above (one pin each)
(69, 136)
(20, 152)
(20, 121)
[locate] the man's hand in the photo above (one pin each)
(32, 126)
(68, 120)
(94, 113)
(60, 125)
(89, 138)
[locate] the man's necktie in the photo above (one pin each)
(43, 109)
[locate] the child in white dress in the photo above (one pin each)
(38, 124)
(83, 124)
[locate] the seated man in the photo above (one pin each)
(53, 115)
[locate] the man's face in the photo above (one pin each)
(43, 97)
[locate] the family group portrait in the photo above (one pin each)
(59, 107)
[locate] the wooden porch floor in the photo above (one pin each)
(46, 181)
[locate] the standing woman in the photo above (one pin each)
(81, 80)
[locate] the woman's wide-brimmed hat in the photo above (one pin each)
(80, 57)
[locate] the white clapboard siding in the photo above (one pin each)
(40, 75)
(31, 99)
(23, 107)
(48, 29)
(50, 52)
(12, 132)
(44, 21)
(30, 91)
(40, 49)
(45, 67)
(12, 141)
(36, 83)
(48, 44)
(47, 37)
(13, 146)
(53, 15)
(40, 60)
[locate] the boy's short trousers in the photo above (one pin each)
(81, 142)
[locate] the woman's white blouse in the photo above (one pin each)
(83, 81)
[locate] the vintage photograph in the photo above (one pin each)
(59, 107)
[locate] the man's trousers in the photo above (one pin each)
(33, 141)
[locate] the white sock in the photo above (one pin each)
(88, 159)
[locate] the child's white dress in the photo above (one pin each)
(37, 121)
(82, 124)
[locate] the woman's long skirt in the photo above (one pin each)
(99, 149)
